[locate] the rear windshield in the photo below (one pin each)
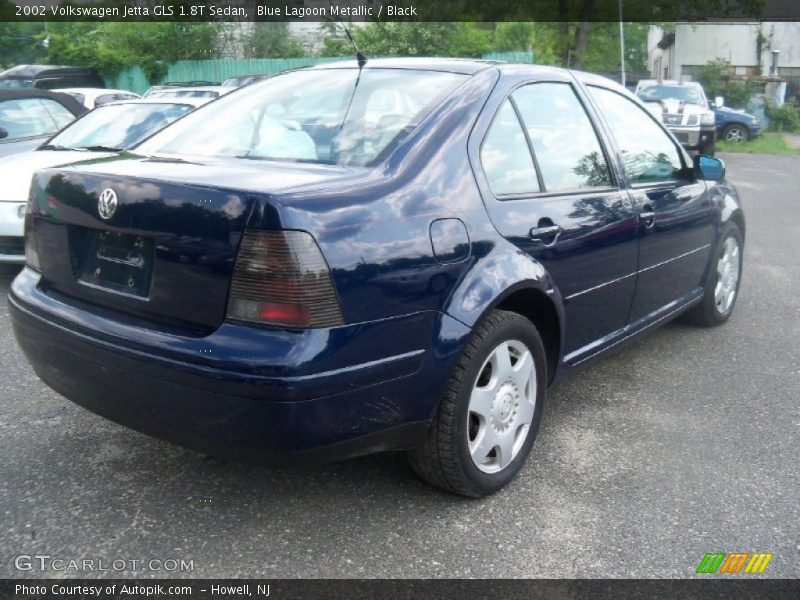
(332, 116)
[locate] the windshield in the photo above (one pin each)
(118, 125)
(183, 94)
(331, 116)
(16, 83)
(655, 93)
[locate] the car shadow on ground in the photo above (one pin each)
(114, 453)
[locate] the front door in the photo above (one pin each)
(676, 215)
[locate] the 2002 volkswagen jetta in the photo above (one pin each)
(339, 261)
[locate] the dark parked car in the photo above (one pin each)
(473, 231)
(50, 77)
(29, 116)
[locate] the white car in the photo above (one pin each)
(100, 133)
(94, 97)
(209, 92)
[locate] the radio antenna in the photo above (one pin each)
(360, 56)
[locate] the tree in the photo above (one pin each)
(405, 38)
(113, 46)
(21, 43)
(272, 39)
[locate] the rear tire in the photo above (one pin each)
(722, 282)
(490, 413)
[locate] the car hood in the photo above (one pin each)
(725, 111)
(16, 171)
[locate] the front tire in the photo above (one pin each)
(722, 282)
(709, 148)
(490, 413)
(735, 134)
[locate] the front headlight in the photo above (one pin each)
(691, 120)
(707, 118)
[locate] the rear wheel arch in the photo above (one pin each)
(540, 309)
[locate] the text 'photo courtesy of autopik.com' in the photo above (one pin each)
(399, 299)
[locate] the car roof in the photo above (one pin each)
(31, 71)
(75, 107)
(466, 66)
(194, 88)
(453, 65)
(670, 82)
(99, 91)
(186, 101)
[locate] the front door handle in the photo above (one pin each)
(546, 234)
(647, 216)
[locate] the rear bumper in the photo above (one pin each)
(295, 416)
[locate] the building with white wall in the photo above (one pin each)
(752, 48)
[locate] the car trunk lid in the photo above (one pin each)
(151, 240)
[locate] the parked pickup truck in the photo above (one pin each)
(685, 111)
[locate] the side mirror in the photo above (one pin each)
(719, 102)
(709, 168)
(3, 134)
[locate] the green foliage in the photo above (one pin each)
(272, 40)
(113, 46)
(21, 43)
(716, 81)
(418, 39)
(784, 118)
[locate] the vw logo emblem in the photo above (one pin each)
(107, 203)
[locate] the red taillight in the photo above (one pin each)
(281, 278)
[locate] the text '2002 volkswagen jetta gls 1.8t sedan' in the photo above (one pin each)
(340, 261)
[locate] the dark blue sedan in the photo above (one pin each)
(340, 261)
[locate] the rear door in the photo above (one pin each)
(675, 213)
(552, 193)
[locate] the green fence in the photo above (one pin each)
(219, 70)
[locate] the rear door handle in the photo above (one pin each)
(546, 235)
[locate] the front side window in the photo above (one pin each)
(648, 153)
(566, 146)
(31, 117)
(506, 158)
(334, 116)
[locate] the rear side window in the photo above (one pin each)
(505, 156)
(30, 117)
(568, 152)
(648, 153)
